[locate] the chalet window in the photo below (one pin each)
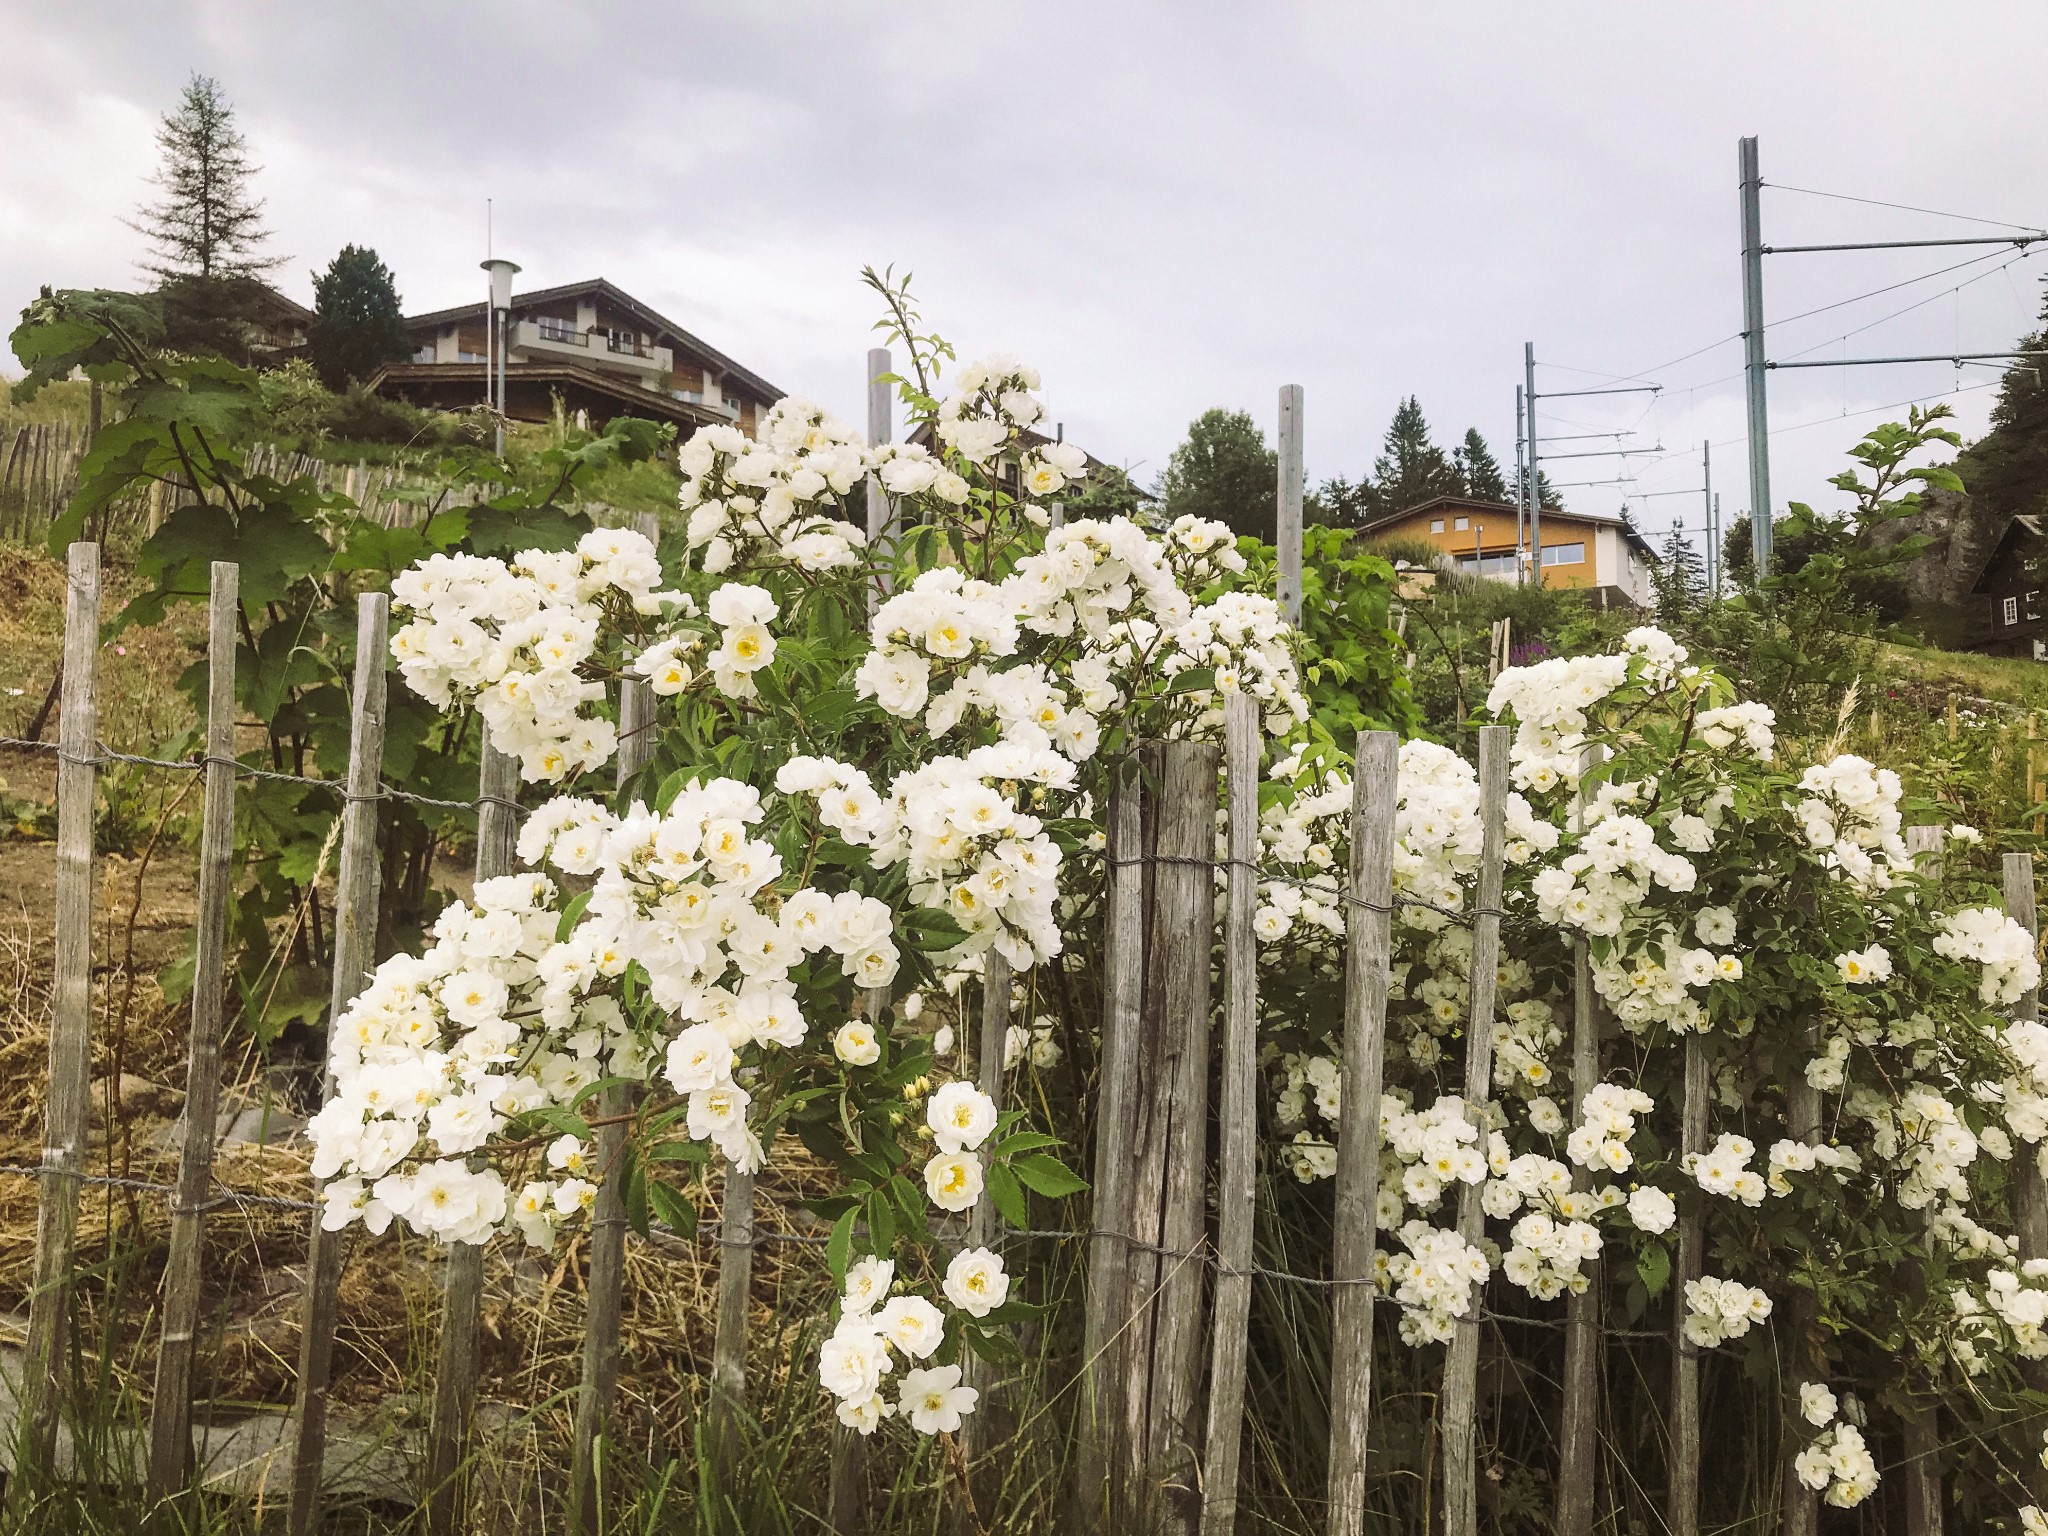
(1489, 565)
(1461, 524)
(1564, 554)
(2034, 603)
(2009, 611)
(1436, 525)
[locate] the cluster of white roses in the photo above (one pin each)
(1433, 1282)
(513, 639)
(1850, 807)
(1719, 1310)
(856, 1361)
(1836, 1463)
(435, 1054)
(1724, 1170)
(2000, 945)
(775, 499)
(1607, 1120)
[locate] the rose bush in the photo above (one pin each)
(876, 765)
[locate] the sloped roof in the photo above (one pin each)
(2025, 528)
(598, 287)
(1469, 504)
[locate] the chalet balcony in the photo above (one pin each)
(558, 340)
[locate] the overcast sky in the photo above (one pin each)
(1164, 206)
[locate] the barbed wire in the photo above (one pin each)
(1334, 893)
(104, 754)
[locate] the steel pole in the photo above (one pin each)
(1753, 364)
(1535, 492)
(1707, 508)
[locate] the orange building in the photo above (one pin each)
(1580, 550)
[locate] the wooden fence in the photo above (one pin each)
(39, 476)
(1162, 1373)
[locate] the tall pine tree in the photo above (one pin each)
(1478, 470)
(357, 326)
(207, 229)
(2006, 470)
(1410, 468)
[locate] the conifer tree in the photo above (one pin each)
(207, 229)
(1410, 468)
(357, 324)
(1478, 470)
(208, 225)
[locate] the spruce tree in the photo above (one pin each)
(208, 225)
(1681, 579)
(1478, 470)
(1410, 468)
(1224, 472)
(357, 325)
(2006, 469)
(207, 228)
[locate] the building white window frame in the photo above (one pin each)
(1436, 525)
(1565, 554)
(1461, 525)
(2009, 611)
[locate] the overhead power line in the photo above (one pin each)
(1872, 202)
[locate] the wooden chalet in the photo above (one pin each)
(598, 349)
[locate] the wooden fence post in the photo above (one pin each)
(1238, 1158)
(1368, 949)
(1579, 1420)
(992, 1042)
(606, 1284)
(1169, 1129)
(1461, 1359)
(1684, 1476)
(2030, 1196)
(846, 1511)
(64, 1114)
(355, 952)
(445, 1493)
(170, 1420)
(1920, 1424)
(1099, 1495)
(1287, 539)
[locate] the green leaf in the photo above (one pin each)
(1048, 1176)
(571, 914)
(1008, 1196)
(672, 1208)
(1653, 1266)
(839, 1247)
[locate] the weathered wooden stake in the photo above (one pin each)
(605, 1293)
(1368, 949)
(1100, 1496)
(1288, 534)
(2030, 1191)
(1238, 1161)
(975, 1437)
(1579, 1422)
(1684, 1515)
(65, 1113)
(355, 952)
(455, 1367)
(1169, 1140)
(1461, 1359)
(170, 1419)
(1921, 1424)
